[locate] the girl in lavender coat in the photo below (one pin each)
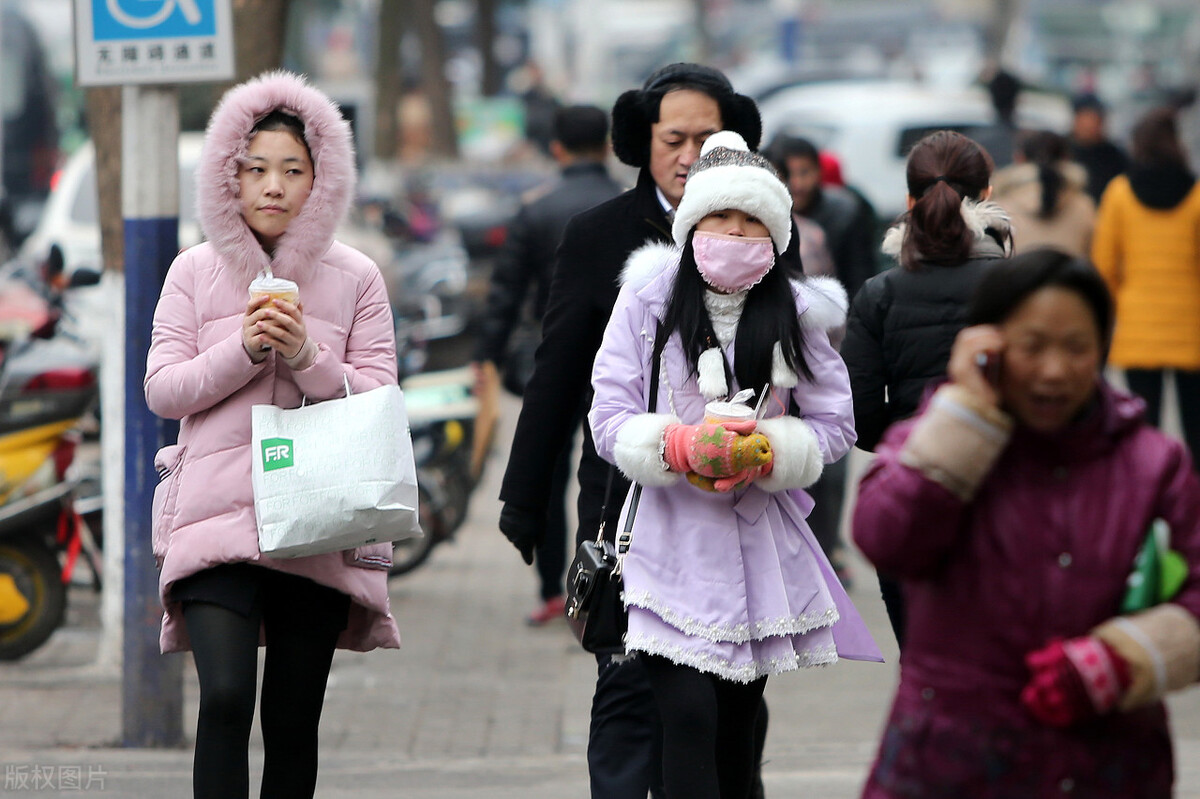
(275, 179)
(724, 582)
(1012, 509)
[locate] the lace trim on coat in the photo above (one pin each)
(733, 633)
(743, 672)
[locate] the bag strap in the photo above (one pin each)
(625, 537)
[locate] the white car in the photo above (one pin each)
(871, 125)
(71, 218)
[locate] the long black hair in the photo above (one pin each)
(768, 316)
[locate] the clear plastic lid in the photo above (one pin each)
(269, 284)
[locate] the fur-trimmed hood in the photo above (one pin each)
(980, 218)
(654, 263)
(218, 208)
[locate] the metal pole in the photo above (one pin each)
(152, 685)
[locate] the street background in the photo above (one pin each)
(474, 704)
(445, 97)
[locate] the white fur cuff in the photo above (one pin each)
(798, 458)
(638, 449)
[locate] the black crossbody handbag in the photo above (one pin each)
(594, 582)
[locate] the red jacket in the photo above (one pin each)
(1043, 551)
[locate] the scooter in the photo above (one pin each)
(441, 413)
(47, 384)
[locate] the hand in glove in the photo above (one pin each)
(723, 484)
(1074, 680)
(723, 450)
(523, 527)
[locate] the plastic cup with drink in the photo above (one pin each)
(274, 288)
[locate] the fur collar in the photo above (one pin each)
(825, 300)
(979, 216)
(218, 207)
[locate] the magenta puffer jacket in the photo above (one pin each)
(1043, 551)
(199, 372)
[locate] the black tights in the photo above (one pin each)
(708, 730)
(225, 645)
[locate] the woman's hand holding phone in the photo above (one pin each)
(975, 362)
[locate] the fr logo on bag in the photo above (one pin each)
(277, 454)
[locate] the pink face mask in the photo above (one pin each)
(732, 263)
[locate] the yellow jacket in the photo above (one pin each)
(1151, 261)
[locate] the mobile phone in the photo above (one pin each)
(989, 363)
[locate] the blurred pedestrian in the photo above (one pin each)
(1045, 195)
(1001, 136)
(539, 106)
(1091, 146)
(275, 178)
(849, 223)
(1147, 246)
(720, 599)
(1013, 509)
(903, 322)
(579, 146)
(658, 129)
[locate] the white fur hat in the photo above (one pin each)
(728, 175)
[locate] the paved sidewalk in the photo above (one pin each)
(475, 704)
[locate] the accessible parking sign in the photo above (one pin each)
(153, 41)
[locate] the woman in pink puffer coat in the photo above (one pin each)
(275, 179)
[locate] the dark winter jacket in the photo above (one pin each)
(583, 290)
(901, 327)
(528, 254)
(1043, 551)
(849, 225)
(1103, 162)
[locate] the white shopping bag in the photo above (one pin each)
(335, 475)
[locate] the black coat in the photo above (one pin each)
(1103, 162)
(901, 327)
(528, 253)
(584, 289)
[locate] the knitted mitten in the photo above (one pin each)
(715, 450)
(1074, 680)
(722, 484)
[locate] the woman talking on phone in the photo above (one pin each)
(1013, 510)
(903, 321)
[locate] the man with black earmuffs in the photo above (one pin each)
(659, 129)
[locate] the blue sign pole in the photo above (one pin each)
(152, 688)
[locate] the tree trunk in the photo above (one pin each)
(388, 81)
(485, 34)
(433, 78)
(104, 125)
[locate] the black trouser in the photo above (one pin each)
(708, 731)
(625, 739)
(893, 602)
(551, 558)
(1148, 384)
(829, 494)
(298, 659)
